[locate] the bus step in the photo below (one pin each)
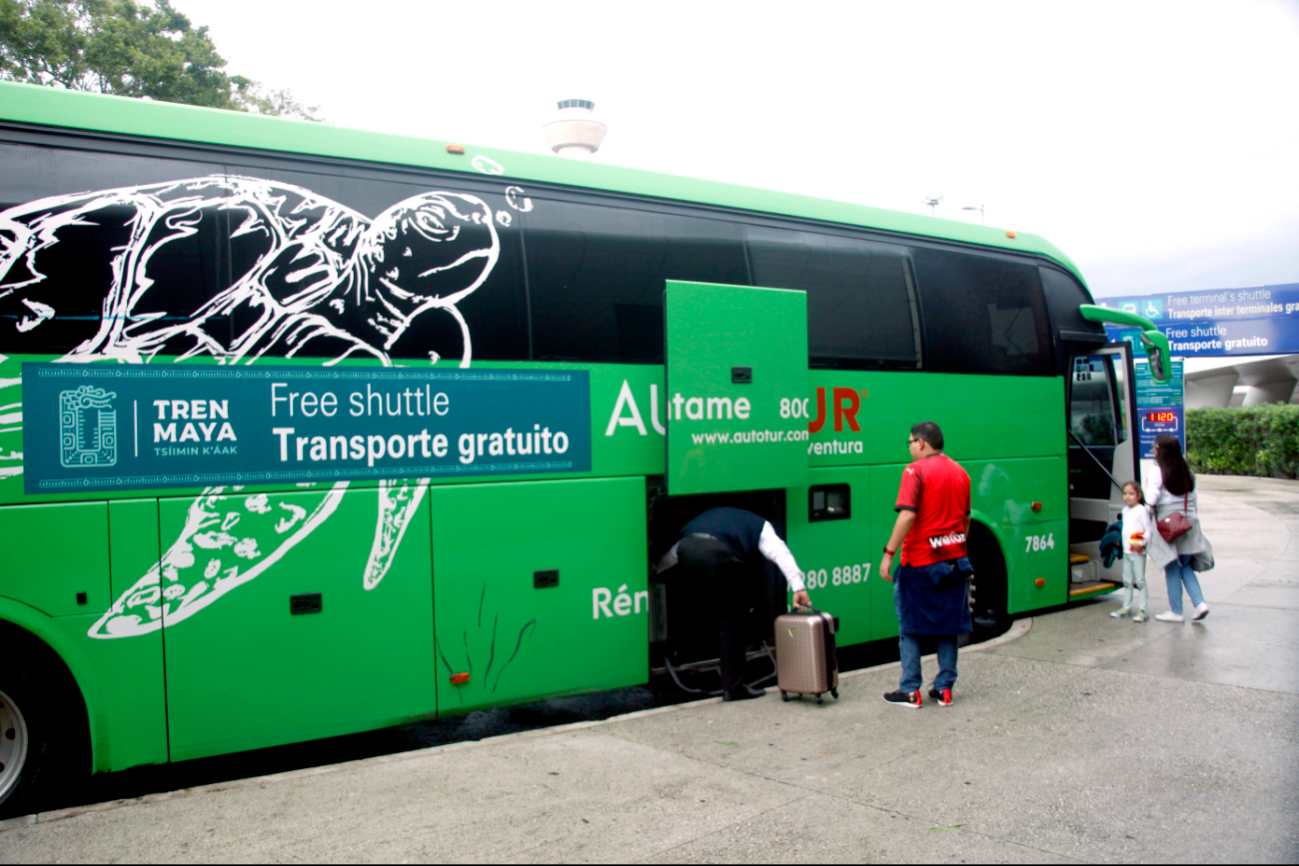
(1100, 587)
(1078, 558)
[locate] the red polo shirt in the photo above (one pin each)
(937, 489)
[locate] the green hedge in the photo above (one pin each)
(1259, 440)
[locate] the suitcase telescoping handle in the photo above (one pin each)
(832, 620)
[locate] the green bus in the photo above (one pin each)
(307, 431)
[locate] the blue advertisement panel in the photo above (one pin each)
(117, 427)
(1160, 408)
(1260, 321)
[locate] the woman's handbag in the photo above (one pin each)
(1175, 525)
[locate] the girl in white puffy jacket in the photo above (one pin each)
(1137, 527)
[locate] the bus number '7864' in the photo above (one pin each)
(1040, 542)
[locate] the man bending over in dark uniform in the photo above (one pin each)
(720, 550)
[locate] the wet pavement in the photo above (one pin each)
(1074, 737)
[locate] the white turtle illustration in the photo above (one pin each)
(304, 277)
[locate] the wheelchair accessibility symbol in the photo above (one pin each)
(1154, 309)
(87, 427)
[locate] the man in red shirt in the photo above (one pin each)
(931, 589)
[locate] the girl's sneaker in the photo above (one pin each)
(1140, 617)
(1201, 611)
(1121, 612)
(905, 699)
(1169, 616)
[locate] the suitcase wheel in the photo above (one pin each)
(818, 699)
(784, 696)
(834, 693)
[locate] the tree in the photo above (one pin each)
(126, 49)
(252, 96)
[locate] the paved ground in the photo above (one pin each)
(1078, 737)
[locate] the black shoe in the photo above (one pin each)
(904, 699)
(743, 693)
(944, 697)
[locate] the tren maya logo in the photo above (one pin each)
(87, 427)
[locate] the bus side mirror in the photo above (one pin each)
(1153, 340)
(1155, 345)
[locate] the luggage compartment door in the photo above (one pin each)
(737, 392)
(540, 590)
(301, 639)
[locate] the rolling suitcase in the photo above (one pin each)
(806, 663)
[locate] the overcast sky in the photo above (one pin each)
(1156, 143)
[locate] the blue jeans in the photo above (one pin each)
(909, 649)
(1178, 573)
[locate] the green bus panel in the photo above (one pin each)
(50, 553)
(723, 434)
(1050, 562)
(135, 680)
(838, 555)
(246, 672)
(541, 590)
(122, 684)
(133, 545)
(1034, 543)
(866, 417)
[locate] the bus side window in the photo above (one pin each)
(1092, 423)
(982, 314)
(860, 307)
(1064, 295)
(52, 299)
(596, 276)
(495, 311)
(1091, 404)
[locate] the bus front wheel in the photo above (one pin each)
(988, 586)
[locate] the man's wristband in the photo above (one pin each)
(889, 552)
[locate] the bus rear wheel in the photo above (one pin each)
(38, 733)
(13, 746)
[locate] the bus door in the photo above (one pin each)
(1102, 445)
(736, 364)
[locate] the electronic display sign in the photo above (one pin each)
(1160, 408)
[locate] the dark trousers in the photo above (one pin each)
(721, 581)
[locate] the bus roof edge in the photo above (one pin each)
(74, 110)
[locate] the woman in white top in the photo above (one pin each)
(1170, 487)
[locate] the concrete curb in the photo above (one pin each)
(1018, 630)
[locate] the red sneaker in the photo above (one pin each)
(944, 697)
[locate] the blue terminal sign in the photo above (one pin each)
(1223, 322)
(125, 426)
